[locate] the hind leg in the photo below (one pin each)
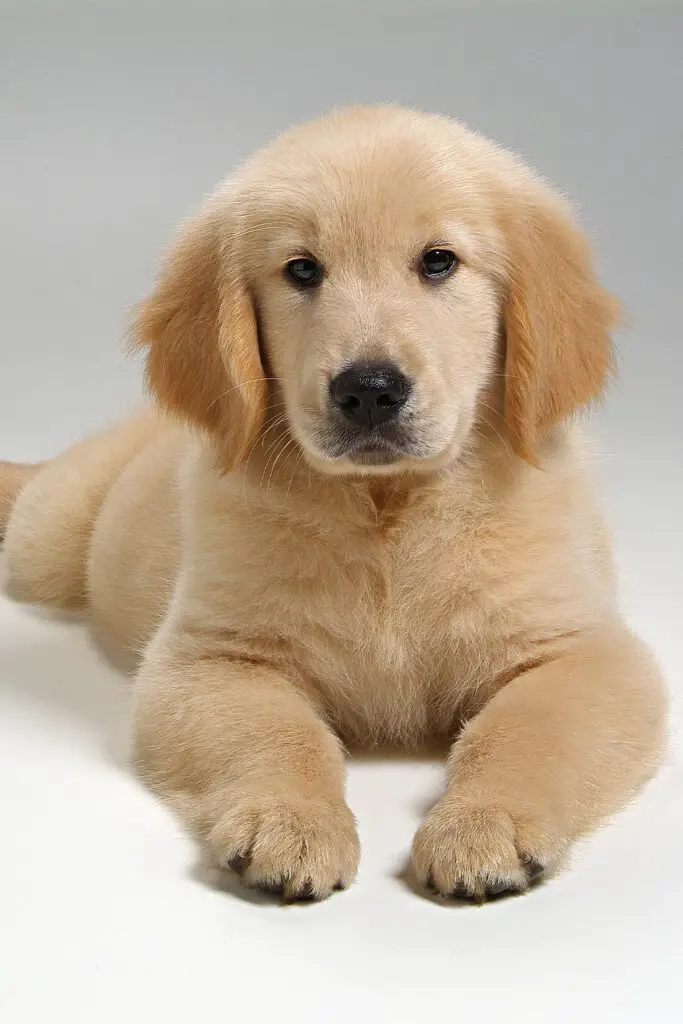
(53, 511)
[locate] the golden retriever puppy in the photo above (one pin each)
(360, 516)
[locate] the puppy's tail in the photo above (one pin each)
(13, 478)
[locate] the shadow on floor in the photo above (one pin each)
(54, 662)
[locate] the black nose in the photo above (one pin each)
(370, 393)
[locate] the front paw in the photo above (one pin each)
(479, 851)
(291, 846)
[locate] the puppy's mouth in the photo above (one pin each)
(379, 447)
(374, 455)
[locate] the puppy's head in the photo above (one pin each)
(389, 277)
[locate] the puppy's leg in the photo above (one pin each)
(557, 750)
(242, 756)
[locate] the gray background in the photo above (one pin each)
(114, 120)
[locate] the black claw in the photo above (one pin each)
(339, 886)
(461, 892)
(239, 863)
(430, 885)
(497, 889)
(493, 891)
(272, 888)
(306, 895)
(500, 890)
(533, 868)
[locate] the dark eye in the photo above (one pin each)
(304, 271)
(437, 263)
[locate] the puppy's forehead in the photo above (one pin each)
(399, 186)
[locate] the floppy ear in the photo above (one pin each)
(557, 322)
(199, 329)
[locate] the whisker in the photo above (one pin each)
(274, 424)
(243, 384)
(291, 441)
(296, 466)
(277, 446)
(260, 436)
(490, 408)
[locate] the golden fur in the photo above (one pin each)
(285, 599)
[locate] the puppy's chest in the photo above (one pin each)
(384, 609)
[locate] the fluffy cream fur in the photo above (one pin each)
(284, 601)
